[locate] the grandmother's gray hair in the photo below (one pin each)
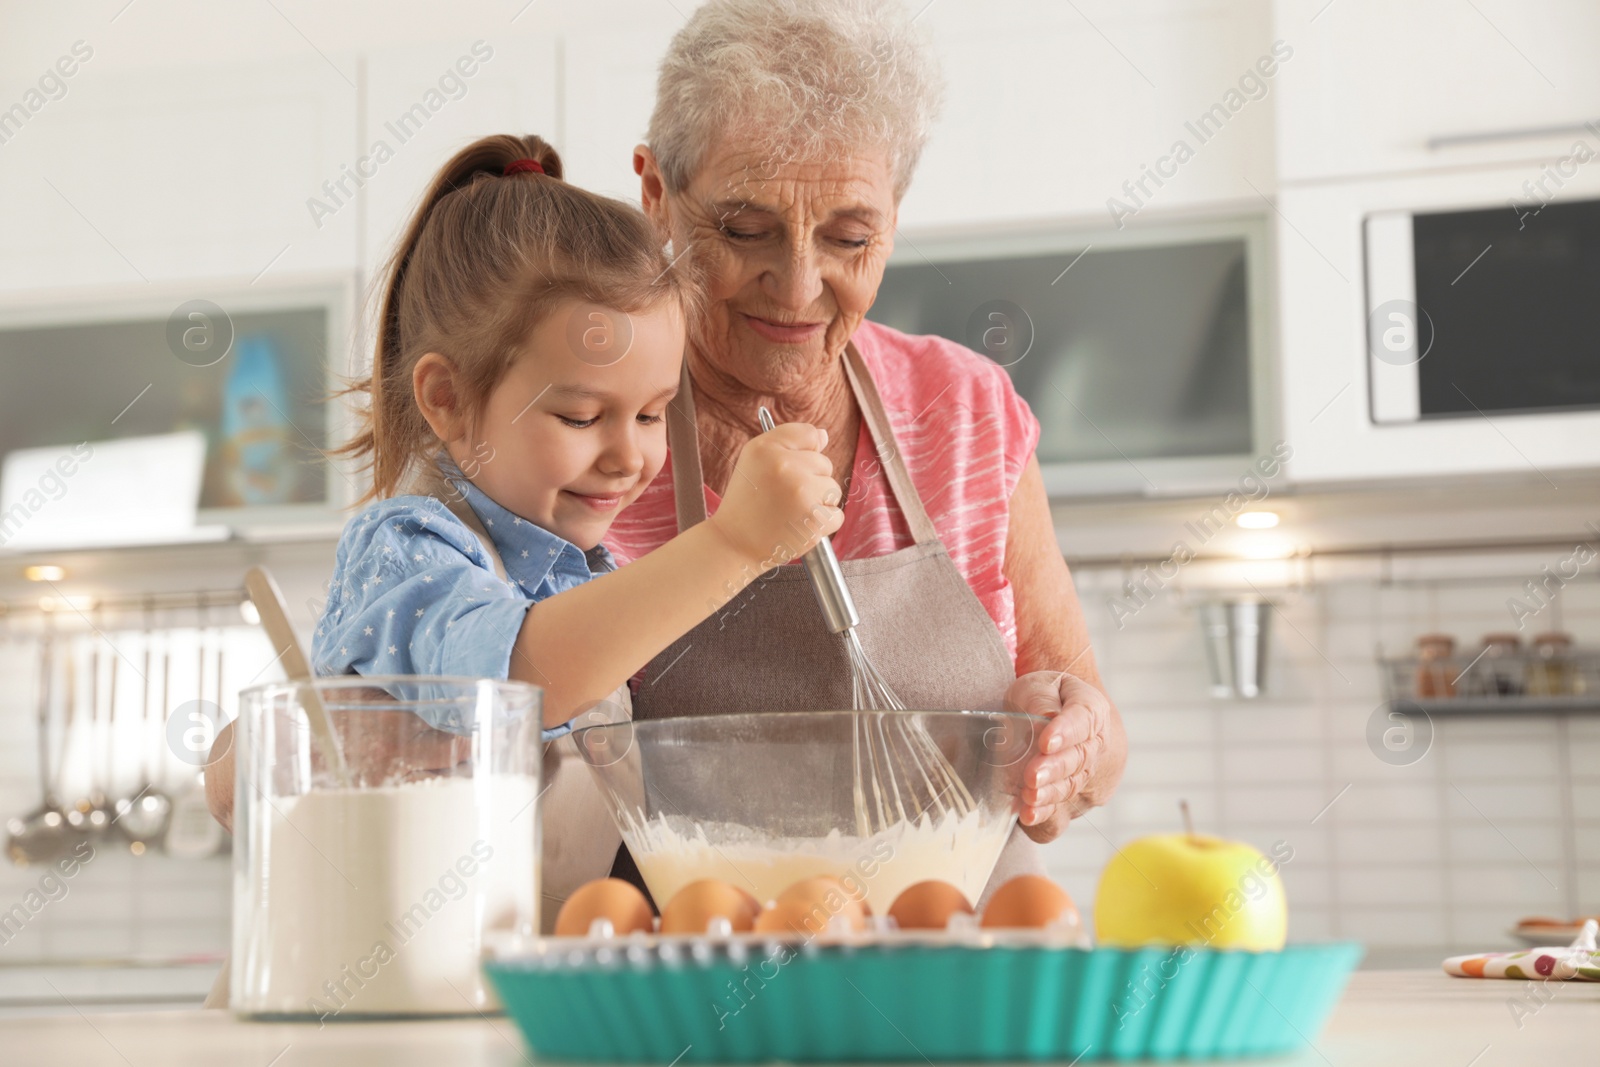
(796, 77)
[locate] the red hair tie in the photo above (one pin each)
(519, 166)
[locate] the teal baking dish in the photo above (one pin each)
(744, 1000)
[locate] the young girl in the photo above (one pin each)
(531, 339)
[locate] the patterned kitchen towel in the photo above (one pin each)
(1579, 961)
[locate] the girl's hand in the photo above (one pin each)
(1066, 752)
(782, 498)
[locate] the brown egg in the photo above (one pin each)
(1029, 900)
(806, 908)
(833, 896)
(791, 919)
(605, 898)
(928, 905)
(693, 907)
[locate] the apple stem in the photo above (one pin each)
(1188, 820)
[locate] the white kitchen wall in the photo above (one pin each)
(1498, 821)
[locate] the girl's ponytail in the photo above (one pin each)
(497, 239)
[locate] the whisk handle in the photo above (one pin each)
(827, 580)
(833, 596)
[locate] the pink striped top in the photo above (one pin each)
(966, 436)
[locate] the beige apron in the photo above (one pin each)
(578, 839)
(768, 649)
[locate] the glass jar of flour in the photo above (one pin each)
(371, 893)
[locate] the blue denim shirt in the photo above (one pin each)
(413, 591)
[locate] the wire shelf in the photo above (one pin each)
(1525, 682)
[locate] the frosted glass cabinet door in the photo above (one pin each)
(251, 371)
(1138, 360)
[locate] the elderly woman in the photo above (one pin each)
(784, 137)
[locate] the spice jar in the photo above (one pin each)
(1550, 670)
(1498, 670)
(1435, 678)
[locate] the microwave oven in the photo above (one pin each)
(1484, 311)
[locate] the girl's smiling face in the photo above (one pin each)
(574, 431)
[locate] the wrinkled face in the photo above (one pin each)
(793, 254)
(569, 438)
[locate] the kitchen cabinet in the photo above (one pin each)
(425, 102)
(1050, 108)
(184, 174)
(609, 90)
(1372, 83)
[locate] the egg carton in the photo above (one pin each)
(966, 993)
(962, 929)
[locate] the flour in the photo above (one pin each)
(672, 852)
(376, 901)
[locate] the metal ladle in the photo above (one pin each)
(192, 833)
(102, 755)
(142, 816)
(43, 833)
(78, 816)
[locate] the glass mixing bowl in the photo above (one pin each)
(765, 799)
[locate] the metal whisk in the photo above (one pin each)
(900, 773)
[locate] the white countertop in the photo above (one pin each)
(1387, 1019)
(96, 986)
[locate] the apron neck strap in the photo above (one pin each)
(683, 448)
(688, 478)
(890, 457)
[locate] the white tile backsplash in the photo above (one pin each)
(1508, 842)
(1390, 884)
(1255, 723)
(1534, 887)
(118, 905)
(1586, 839)
(1586, 797)
(1311, 924)
(1588, 881)
(1377, 845)
(1384, 804)
(1253, 803)
(1583, 752)
(1273, 763)
(1153, 728)
(1308, 886)
(1154, 766)
(1497, 802)
(1392, 927)
(1489, 761)
(1499, 819)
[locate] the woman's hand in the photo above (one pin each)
(1067, 753)
(1079, 758)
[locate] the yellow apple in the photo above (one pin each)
(1192, 889)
